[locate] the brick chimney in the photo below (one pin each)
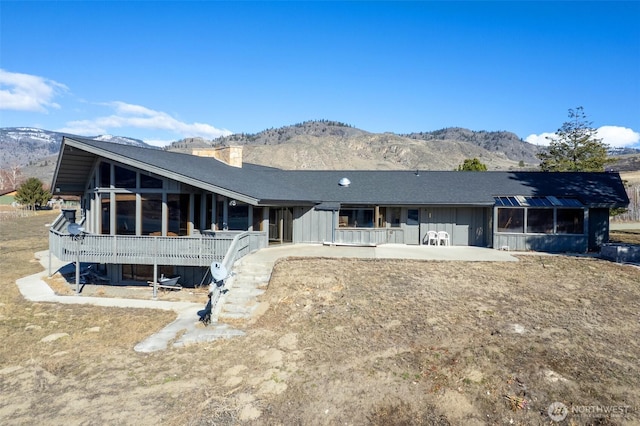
(231, 155)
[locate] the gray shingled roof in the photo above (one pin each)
(264, 185)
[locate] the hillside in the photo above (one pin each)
(24, 146)
(35, 151)
(501, 141)
(333, 145)
(320, 144)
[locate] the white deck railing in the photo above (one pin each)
(200, 250)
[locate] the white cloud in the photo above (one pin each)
(618, 137)
(614, 136)
(24, 92)
(540, 139)
(130, 115)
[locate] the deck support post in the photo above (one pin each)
(155, 267)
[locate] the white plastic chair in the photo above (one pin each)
(443, 238)
(432, 236)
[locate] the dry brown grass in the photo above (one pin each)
(342, 342)
(627, 236)
(632, 177)
(466, 338)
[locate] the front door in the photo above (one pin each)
(412, 228)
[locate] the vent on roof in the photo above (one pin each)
(344, 182)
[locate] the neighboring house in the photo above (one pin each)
(136, 201)
(7, 198)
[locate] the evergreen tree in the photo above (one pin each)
(472, 165)
(575, 148)
(32, 194)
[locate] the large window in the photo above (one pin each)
(570, 221)
(105, 175)
(149, 182)
(220, 223)
(510, 220)
(105, 218)
(238, 215)
(540, 215)
(125, 214)
(540, 221)
(145, 272)
(197, 213)
(124, 178)
(178, 205)
(208, 217)
(151, 214)
(356, 217)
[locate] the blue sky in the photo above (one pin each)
(161, 71)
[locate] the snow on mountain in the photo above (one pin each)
(22, 146)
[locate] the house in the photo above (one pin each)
(7, 198)
(143, 208)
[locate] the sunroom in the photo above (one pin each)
(532, 222)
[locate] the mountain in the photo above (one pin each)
(318, 144)
(24, 146)
(504, 142)
(35, 151)
(328, 144)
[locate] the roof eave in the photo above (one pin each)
(160, 172)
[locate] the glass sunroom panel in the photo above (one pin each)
(540, 221)
(178, 206)
(570, 221)
(151, 205)
(197, 212)
(105, 175)
(208, 216)
(124, 178)
(125, 214)
(510, 220)
(150, 182)
(105, 214)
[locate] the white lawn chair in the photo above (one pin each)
(443, 238)
(432, 237)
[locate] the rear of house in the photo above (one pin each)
(148, 210)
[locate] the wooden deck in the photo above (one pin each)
(201, 250)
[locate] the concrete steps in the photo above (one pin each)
(248, 281)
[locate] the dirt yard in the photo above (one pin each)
(353, 342)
